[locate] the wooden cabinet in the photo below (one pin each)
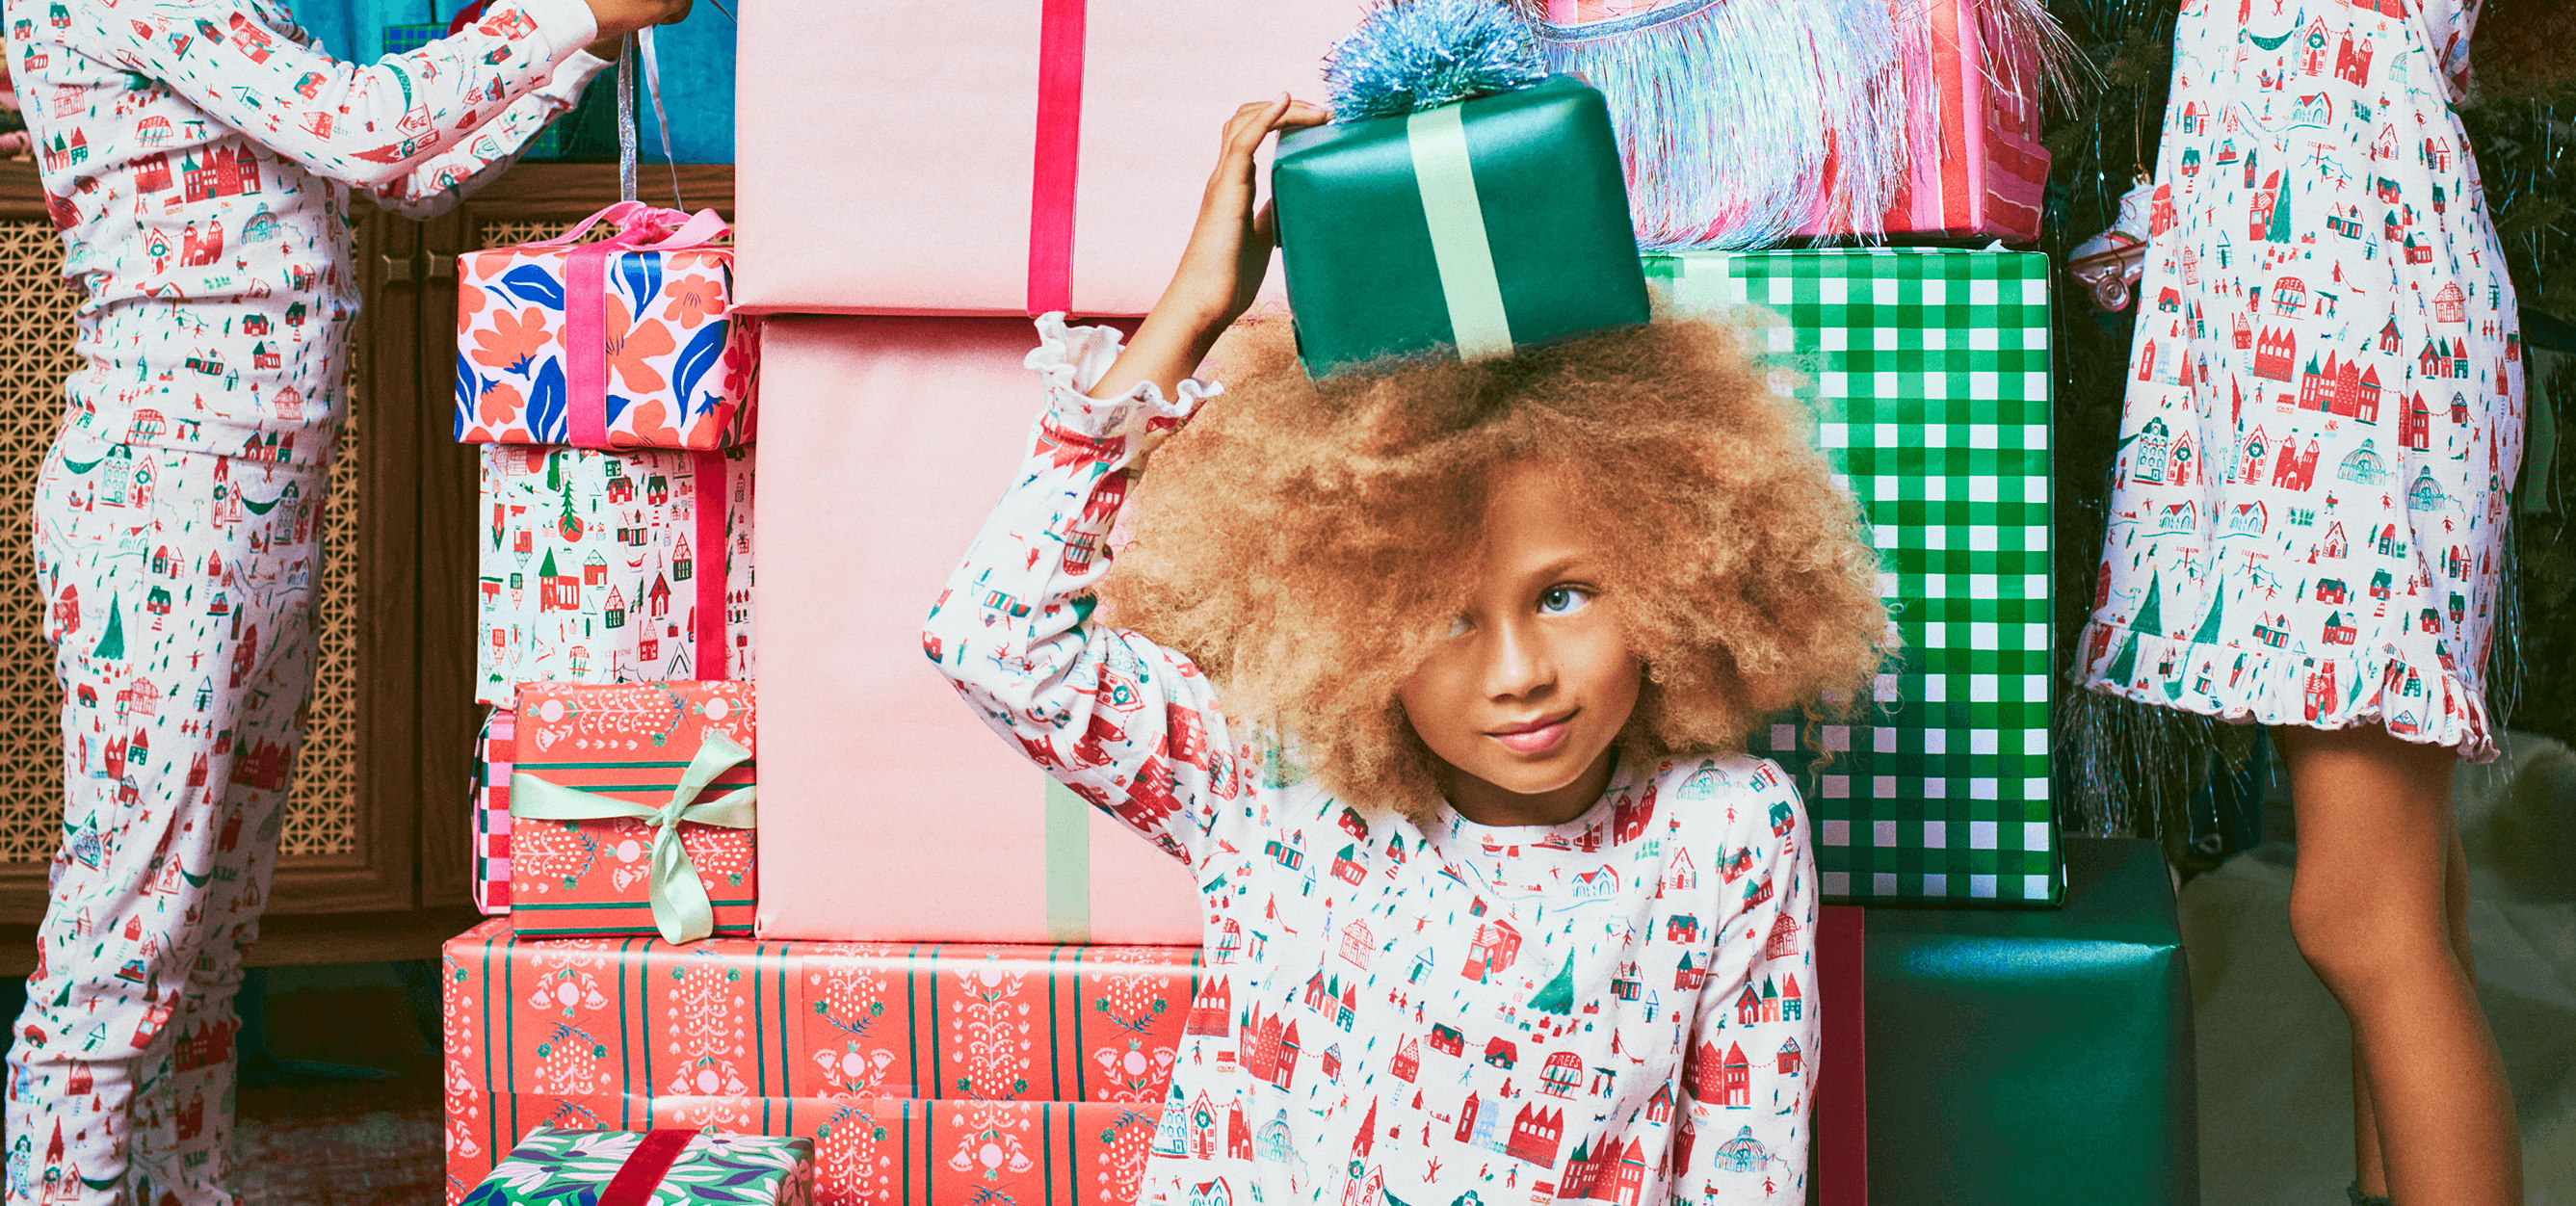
(374, 856)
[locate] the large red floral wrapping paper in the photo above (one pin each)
(594, 567)
(790, 1038)
(681, 367)
(628, 742)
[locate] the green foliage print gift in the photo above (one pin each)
(556, 1167)
(1929, 373)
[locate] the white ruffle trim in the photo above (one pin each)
(1073, 359)
(2271, 687)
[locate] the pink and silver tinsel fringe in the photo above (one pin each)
(1745, 122)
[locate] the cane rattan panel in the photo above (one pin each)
(322, 808)
(35, 356)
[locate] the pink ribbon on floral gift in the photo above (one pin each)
(640, 227)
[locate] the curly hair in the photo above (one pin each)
(1307, 541)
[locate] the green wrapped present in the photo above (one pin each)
(1929, 373)
(2034, 1056)
(1478, 226)
(559, 1167)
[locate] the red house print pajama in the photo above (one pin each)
(198, 156)
(1616, 1009)
(2327, 408)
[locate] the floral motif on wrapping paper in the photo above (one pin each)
(680, 368)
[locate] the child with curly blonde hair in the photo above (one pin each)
(1438, 678)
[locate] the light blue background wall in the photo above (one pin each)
(696, 55)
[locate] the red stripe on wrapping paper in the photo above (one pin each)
(2015, 164)
(1057, 156)
(641, 1174)
(714, 496)
(1842, 1103)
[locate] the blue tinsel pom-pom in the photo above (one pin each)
(1411, 55)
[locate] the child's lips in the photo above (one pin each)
(1536, 737)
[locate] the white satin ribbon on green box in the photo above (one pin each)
(1474, 295)
(681, 910)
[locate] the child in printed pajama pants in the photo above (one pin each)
(198, 156)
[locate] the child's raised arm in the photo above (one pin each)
(1221, 270)
(1129, 725)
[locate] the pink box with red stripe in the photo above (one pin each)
(995, 157)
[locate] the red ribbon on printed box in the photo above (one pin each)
(626, 342)
(1016, 156)
(632, 808)
(1020, 1067)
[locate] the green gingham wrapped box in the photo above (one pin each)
(1929, 372)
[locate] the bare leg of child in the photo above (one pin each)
(2378, 909)
(2373, 1175)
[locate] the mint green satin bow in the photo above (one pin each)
(680, 907)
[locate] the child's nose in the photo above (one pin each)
(1519, 661)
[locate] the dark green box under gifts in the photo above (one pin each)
(1496, 222)
(2035, 1056)
(1929, 372)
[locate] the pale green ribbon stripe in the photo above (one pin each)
(1068, 864)
(680, 907)
(1438, 140)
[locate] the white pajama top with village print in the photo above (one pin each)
(2325, 409)
(1620, 1008)
(198, 156)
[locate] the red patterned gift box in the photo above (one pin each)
(631, 809)
(787, 1038)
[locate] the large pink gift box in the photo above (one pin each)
(888, 810)
(995, 156)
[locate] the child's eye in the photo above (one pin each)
(1563, 600)
(1457, 627)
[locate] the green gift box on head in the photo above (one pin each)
(1929, 373)
(1478, 226)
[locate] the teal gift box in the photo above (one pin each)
(2035, 1056)
(560, 1167)
(1928, 371)
(1478, 226)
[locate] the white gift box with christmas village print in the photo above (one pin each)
(1929, 372)
(617, 566)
